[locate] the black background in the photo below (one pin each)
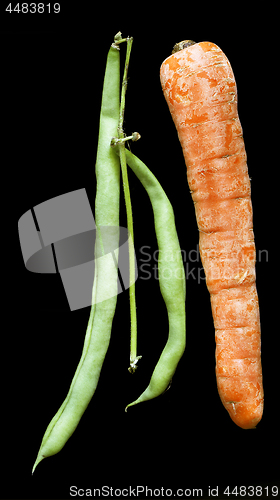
(52, 68)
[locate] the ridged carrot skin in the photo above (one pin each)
(199, 86)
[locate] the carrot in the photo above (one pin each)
(199, 86)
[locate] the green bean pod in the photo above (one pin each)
(171, 280)
(98, 331)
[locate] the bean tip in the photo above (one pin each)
(133, 361)
(38, 460)
(130, 404)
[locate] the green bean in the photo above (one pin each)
(171, 280)
(98, 331)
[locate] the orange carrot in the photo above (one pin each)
(199, 86)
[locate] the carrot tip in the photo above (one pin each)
(182, 45)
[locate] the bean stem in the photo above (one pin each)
(133, 332)
(118, 39)
(134, 137)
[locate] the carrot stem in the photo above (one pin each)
(121, 143)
